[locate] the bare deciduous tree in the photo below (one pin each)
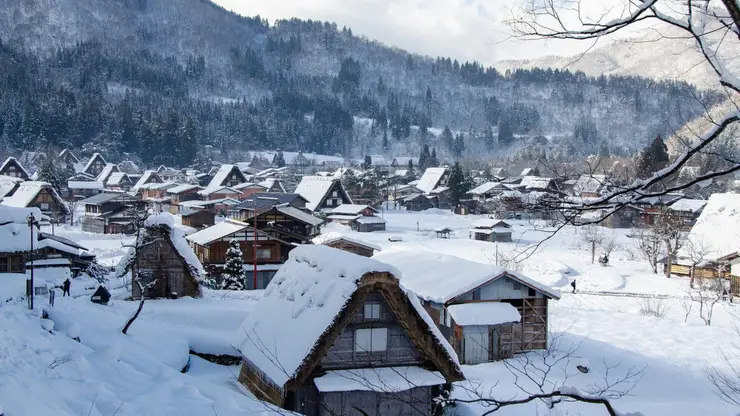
(697, 250)
(707, 293)
(669, 226)
(714, 29)
(649, 245)
(593, 236)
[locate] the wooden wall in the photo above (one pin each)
(417, 401)
(352, 248)
(161, 261)
(501, 288)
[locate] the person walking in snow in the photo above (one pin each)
(573, 285)
(52, 294)
(65, 288)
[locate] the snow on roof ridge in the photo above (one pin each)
(92, 158)
(13, 159)
(334, 236)
(221, 174)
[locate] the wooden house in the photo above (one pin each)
(651, 208)
(268, 252)
(110, 213)
(248, 188)
(402, 162)
(8, 185)
(82, 185)
(350, 340)
(163, 262)
(226, 176)
(119, 181)
(530, 172)
(688, 210)
(347, 243)
(156, 196)
(219, 192)
(591, 186)
(95, 165)
(219, 206)
(361, 218)
(42, 196)
(201, 218)
(264, 201)
(70, 160)
(286, 222)
(433, 178)
(486, 312)
(492, 230)
(417, 202)
(273, 185)
(13, 168)
(105, 174)
(148, 177)
(322, 193)
(182, 193)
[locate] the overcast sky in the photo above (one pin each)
(462, 29)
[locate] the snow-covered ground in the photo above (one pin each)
(109, 373)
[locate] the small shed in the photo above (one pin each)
(492, 230)
(163, 261)
(350, 244)
(101, 296)
(199, 218)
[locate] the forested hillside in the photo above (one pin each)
(162, 77)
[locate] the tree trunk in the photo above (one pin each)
(593, 251)
(138, 310)
(692, 275)
(669, 261)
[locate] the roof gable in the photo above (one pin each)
(95, 157)
(431, 179)
(149, 176)
(315, 189)
(222, 175)
(11, 161)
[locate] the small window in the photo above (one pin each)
(264, 253)
(517, 286)
(372, 311)
(476, 294)
(335, 194)
(329, 202)
(532, 293)
(441, 316)
(371, 339)
(44, 206)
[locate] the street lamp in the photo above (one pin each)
(31, 290)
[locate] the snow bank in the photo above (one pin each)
(485, 313)
(384, 380)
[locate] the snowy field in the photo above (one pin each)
(108, 373)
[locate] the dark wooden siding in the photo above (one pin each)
(352, 248)
(161, 261)
(400, 349)
(413, 402)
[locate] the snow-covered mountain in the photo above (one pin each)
(668, 56)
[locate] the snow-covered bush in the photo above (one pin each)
(233, 274)
(653, 307)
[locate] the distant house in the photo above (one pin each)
(487, 190)
(652, 207)
(119, 181)
(104, 174)
(249, 188)
(95, 165)
(417, 202)
(537, 184)
(110, 213)
(219, 206)
(13, 168)
(433, 178)
(170, 174)
(402, 162)
(163, 262)
(219, 192)
(210, 245)
(499, 173)
(148, 177)
(182, 193)
(591, 186)
(225, 176)
(40, 195)
(530, 172)
(155, 194)
(322, 193)
(8, 185)
(346, 321)
(272, 185)
(347, 243)
(70, 160)
(82, 185)
(689, 210)
(362, 218)
(487, 312)
(197, 219)
(264, 201)
(492, 230)
(281, 215)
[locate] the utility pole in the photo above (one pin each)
(31, 289)
(254, 242)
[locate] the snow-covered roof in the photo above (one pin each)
(718, 225)
(535, 182)
(92, 159)
(248, 185)
(590, 184)
(314, 189)
(270, 182)
(300, 303)
(67, 153)
(335, 237)
(300, 215)
(430, 179)
(8, 184)
(483, 188)
(145, 178)
(116, 178)
(11, 160)
(182, 188)
(158, 186)
(352, 209)
(84, 185)
(484, 313)
(527, 171)
(439, 277)
(490, 223)
(688, 205)
(27, 192)
(370, 220)
(216, 232)
(106, 172)
(219, 190)
(221, 175)
(380, 379)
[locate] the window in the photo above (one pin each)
(329, 202)
(517, 285)
(372, 311)
(441, 316)
(264, 253)
(371, 339)
(44, 206)
(3, 264)
(476, 294)
(532, 293)
(335, 194)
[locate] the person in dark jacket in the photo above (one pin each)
(573, 285)
(65, 288)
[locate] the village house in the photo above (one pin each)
(226, 176)
(119, 181)
(104, 174)
(199, 218)
(162, 263)
(688, 210)
(486, 312)
(170, 174)
(219, 192)
(267, 252)
(402, 162)
(489, 229)
(498, 174)
(273, 185)
(156, 196)
(13, 168)
(362, 218)
(248, 188)
(95, 165)
(220, 206)
(110, 213)
(433, 178)
(82, 185)
(530, 172)
(70, 160)
(281, 215)
(148, 177)
(182, 193)
(652, 207)
(42, 196)
(351, 339)
(591, 186)
(347, 243)
(417, 202)
(264, 201)
(8, 185)
(322, 193)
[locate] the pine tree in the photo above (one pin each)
(433, 162)
(368, 162)
(385, 139)
(457, 183)
(233, 274)
(411, 165)
(505, 134)
(653, 158)
(279, 159)
(447, 137)
(424, 158)
(489, 139)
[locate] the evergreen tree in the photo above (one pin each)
(653, 158)
(447, 137)
(429, 94)
(55, 174)
(411, 165)
(279, 159)
(488, 138)
(505, 134)
(385, 140)
(368, 162)
(233, 274)
(433, 162)
(457, 183)
(424, 158)
(458, 145)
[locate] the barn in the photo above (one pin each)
(351, 338)
(489, 229)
